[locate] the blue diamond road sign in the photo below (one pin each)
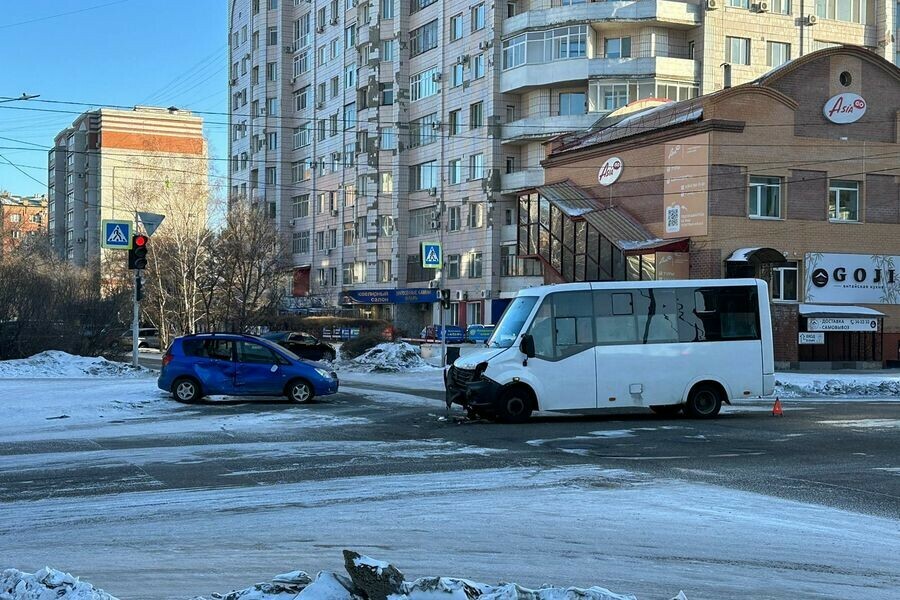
(116, 235)
(432, 257)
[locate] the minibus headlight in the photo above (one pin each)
(480, 368)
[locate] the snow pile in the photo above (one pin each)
(844, 385)
(282, 587)
(390, 357)
(47, 584)
(433, 588)
(57, 364)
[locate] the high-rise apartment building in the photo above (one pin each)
(112, 162)
(367, 128)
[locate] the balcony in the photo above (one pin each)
(521, 180)
(533, 129)
(648, 12)
(558, 72)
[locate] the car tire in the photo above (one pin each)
(667, 410)
(514, 406)
(328, 356)
(704, 402)
(186, 389)
(299, 391)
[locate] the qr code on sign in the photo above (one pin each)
(673, 218)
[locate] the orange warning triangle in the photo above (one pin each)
(776, 409)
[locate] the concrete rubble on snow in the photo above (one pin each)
(369, 579)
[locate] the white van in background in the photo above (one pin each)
(581, 347)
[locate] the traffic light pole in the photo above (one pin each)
(135, 318)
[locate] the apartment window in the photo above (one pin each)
(617, 47)
(476, 115)
(320, 129)
(302, 35)
(424, 38)
(843, 200)
(321, 277)
(456, 27)
(300, 206)
(455, 124)
(456, 75)
(272, 36)
(508, 261)
(387, 94)
(456, 171)
(610, 95)
(386, 185)
(272, 71)
(476, 216)
(545, 46)
(765, 197)
(387, 9)
(777, 53)
(301, 99)
(420, 222)
(255, 40)
(15, 218)
(423, 131)
(785, 282)
(473, 310)
(300, 242)
(350, 37)
(474, 265)
(478, 17)
(452, 266)
(572, 103)
(511, 164)
(424, 176)
(300, 171)
(322, 205)
(350, 116)
(478, 66)
(349, 234)
(849, 11)
(453, 218)
(417, 5)
(781, 7)
(738, 3)
(272, 107)
(476, 166)
(737, 50)
(272, 140)
(301, 64)
(349, 154)
(385, 225)
(254, 76)
(424, 84)
(321, 55)
(271, 175)
(350, 76)
(387, 50)
(332, 238)
(388, 138)
(273, 4)
(384, 270)
(333, 124)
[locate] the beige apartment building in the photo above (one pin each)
(368, 128)
(112, 162)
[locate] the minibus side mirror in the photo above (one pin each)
(527, 345)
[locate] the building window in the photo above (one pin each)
(272, 71)
(300, 242)
(420, 222)
(271, 175)
(456, 27)
(349, 234)
(300, 206)
(320, 240)
(478, 66)
(272, 36)
(424, 176)
(849, 11)
(350, 116)
(475, 265)
(453, 218)
(349, 77)
(424, 84)
(384, 270)
(423, 131)
(476, 115)
(456, 171)
(388, 138)
(738, 3)
(453, 266)
(272, 140)
(617, 47)
(785, 282)
(387, 182)
(478, 17)
(417, 5)
(15, 218)
(452, 314)
(423, 39)
(350, 37)
(387, 9)
(455, 124)
(765, 197)
(737, 50)
(387, 50)
(843, 200)
(508, 261)
(456, 75)
(780, 7)
(572, 103)
(777, 53)
(476, 216)
(545, 46)
(387, 94)
(476, 166)
(385, 225)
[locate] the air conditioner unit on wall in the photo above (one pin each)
(459, 295)
(812, 19)
(485, 294)
(712, 4)
(761, 7)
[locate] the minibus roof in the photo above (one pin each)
(631, 285)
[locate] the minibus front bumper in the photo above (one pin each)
(469, 390)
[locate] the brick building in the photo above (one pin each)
(21, 217)
(794, 178)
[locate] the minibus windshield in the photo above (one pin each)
(511, 322)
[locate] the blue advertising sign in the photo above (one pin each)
(479, 333)
(455, 334)
(391, 296)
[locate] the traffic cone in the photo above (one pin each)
(776, 409)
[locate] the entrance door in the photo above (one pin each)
(564, 368)
(258, 370)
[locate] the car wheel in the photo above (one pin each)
(143, 345)
(667, 410)
(704, 402)
(186, 389)
(299, 391)
(514, 407)
(328, 356)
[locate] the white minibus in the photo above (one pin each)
(670, 346)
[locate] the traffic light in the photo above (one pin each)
(138, 289)
(137, 256)
(445, 298)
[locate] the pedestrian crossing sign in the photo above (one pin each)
(116, 235)
(432, 257)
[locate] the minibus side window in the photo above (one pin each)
(656, 313)
(542, 330)
(614, 318)
(563, 325)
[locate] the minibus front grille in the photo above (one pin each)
(461, 377)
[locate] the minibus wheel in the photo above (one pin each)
(704, 401)
(514, 406)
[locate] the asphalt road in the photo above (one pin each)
(830, 454)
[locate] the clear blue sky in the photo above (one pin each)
(125, 52)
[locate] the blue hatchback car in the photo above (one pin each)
(233, 364)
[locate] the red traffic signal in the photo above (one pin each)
(137, 256)
(140, 240)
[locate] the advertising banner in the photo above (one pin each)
(686, 187)
(673, 265)
(852, 278)
(391, 296)
(842, 324)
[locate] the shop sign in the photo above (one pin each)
(391, 296)
(807, 337)
(673, 265)
(610, 171)
(842, 324)
(852, 278)
(844, 108)
(686, 187)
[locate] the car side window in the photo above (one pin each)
(218, 349)
(250, 352)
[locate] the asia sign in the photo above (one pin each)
(391, 296)
(686, 187)
(844, 108)
(842, 324)
(852, 278)
(610, 171)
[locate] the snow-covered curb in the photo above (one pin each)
(56, 364)
(836, 385)
(47, 584)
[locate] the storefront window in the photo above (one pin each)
(843, 200)
(784, 282)
(765, 197)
